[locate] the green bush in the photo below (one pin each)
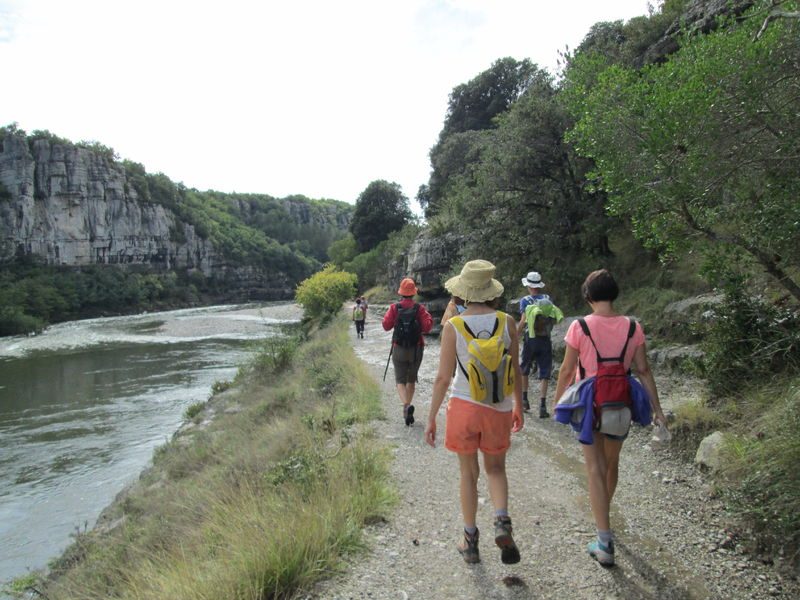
(749, 340)
(193, 410)
(274, 356)
(322, 294)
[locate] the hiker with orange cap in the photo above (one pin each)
(485, 403)
(409, 320)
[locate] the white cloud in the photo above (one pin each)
(312, 97)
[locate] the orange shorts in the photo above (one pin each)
(471, 427)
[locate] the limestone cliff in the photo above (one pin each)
(71, 206)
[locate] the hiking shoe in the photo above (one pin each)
(468, 548)
(543, 414)
(601, 553)
(409, 412)
(509, 553)
(526, 406)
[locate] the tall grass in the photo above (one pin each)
(263, 502)
(762, 472)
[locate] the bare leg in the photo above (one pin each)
(410, 389)
(612, 449)
(543, 388)
(470, 471)
(401, 391)
(594, 455)
(495, 467)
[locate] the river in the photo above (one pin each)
(83, 405)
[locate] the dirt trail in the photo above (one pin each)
(671, 541)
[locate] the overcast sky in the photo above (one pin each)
(278, 97)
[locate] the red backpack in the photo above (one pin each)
(611, 387)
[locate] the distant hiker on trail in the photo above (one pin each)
(538, 315)
(364, 305)
(409, 320)
(359, 316)
(602, 346)
(485, 405)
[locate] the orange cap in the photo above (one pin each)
(407, 287)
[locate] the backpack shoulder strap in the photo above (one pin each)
(631, 331)
(462, 328)
(587, 333)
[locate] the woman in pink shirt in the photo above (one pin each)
(609, 332)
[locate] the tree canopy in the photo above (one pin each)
(704, 146)
(380, 209)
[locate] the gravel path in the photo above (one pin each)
(671, 538)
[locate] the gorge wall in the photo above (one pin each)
(72, 206)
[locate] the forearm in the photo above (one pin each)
(649, 383)
(440, 385)
(564, 378)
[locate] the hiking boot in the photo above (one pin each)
(409, 415)
(543, 414)
(526, 406)
(509, 553)
(468, 548)
(601, 553)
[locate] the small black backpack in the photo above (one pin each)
(407, 329)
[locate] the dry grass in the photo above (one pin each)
(261, 503)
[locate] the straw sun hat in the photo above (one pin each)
(476, 282)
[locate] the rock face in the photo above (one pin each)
(428, 261)
(71, 206)
(700, 16)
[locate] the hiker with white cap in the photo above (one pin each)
(538, 315)
(485, 404)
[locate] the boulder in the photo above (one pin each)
(676, 357)
(709, 453)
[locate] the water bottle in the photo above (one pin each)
(661, 433)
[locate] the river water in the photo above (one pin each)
(83, 405)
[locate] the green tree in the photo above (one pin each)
(704, 147)
(343, 251)
(380, 209)
(473, 107)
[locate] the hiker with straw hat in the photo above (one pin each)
(485, 404)
(409, 321)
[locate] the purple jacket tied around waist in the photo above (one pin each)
(578, 397)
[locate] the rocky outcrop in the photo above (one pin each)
(71, 206)
(428, 261)
(700, 16)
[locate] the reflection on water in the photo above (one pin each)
(83, 406)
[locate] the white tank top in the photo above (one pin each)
(481, 326)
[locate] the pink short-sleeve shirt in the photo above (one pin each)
(609, 334)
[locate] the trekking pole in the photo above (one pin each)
(386, 370)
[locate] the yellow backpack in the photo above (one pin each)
(489, 370)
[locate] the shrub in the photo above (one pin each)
(322, 294)
(749, 339)
(274, 355)
(194, 410)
